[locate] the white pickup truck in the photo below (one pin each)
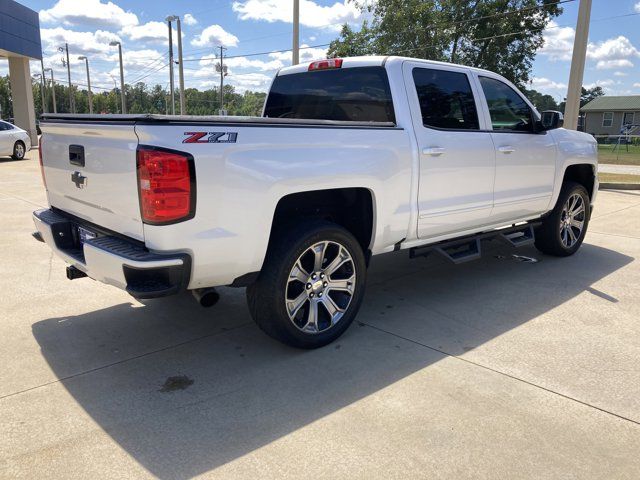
(352, 157)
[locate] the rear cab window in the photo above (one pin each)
(358, 94)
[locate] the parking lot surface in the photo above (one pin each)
(499, 368)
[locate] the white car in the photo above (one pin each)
(14, 141)
(352, 158)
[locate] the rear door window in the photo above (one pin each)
(446, 99)
(359, 94)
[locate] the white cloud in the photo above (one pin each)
(610, 64)
(207, 67)
(88, 12)
(257, 82)
(189, 19)
(636, 85)
(250, 81)
(306, 54)
(613, 53)
(148, 32)
(311, 14)
(637, 7)
(544, 84)
(620, 74)
(80, 42)
(215, 35)
(244, 62)
(558, 42)
(139, 58)
(600, 83)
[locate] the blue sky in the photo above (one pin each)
(247, 27)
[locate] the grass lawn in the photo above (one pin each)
(607, 156)
(618, 178)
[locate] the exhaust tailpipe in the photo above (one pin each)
(206, 297)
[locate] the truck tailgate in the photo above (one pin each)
(90, 172)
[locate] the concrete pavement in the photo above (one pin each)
(624, 169)
(493, 369)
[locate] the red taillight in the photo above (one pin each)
(44, 181)
(166, 184)
(326, 64)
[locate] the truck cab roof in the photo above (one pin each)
(374, 61)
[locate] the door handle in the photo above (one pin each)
(506, 149)
(433, 151)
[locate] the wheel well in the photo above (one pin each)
(582, 174)
(352, 208)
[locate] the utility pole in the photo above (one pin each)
(296, 33)
(115, 87)
(42, 100)
(572, 107)
(222, 68)
(88, 82)
(53, 90)
(72, 106)
(180, 69)
(122, 92)
(44, 83)
(171, 86)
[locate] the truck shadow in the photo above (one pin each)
(184, 390)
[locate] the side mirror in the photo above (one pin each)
(551, 120)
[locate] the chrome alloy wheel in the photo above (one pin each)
(19, 150)
(320, 287)
(572, 220)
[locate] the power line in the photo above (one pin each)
(161, 67)
(142, 69)
(484, 17)
(150, 68)
(472, 40)
(503, 14)
(256, 54)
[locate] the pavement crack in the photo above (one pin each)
(499, 372)
(125, 360)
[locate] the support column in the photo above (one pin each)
(24, 111)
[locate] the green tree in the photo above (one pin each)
(141, 98)
(499, 35)
(541, 101)
(586, 95)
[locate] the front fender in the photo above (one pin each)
(574, 148)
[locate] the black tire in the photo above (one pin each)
(267, 297)
(549, 236)
(19, 150)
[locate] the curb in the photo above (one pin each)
(619, 186)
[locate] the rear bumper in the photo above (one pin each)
(113, 260)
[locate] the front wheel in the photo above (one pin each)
(563, 230)
(19, 150)
(311, 285)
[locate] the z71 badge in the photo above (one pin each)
(210, 137)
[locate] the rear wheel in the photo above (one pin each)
(563, 230)
(311, 285)
(19, 150)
